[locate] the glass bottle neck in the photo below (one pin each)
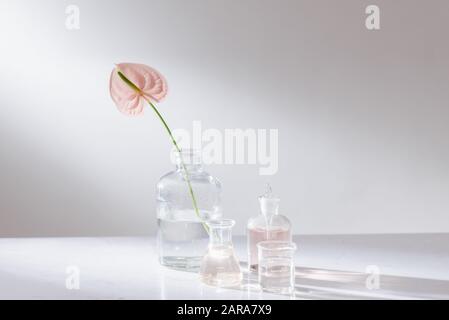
(220, 232)
(269, 206)
(268, 216)
(189, 167)
(189, 160)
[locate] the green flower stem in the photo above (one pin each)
(192, 194)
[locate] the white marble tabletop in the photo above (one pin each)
(408, 266)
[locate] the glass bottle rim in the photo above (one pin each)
(221, 223)
(188, 151)
(188, 156)
(276, 245)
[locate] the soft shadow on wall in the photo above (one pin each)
(362, 115)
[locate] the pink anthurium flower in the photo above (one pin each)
(150, 83)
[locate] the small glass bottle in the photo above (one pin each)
(182, 235)
(220, 267)
(269, 225)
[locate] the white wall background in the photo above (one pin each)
(362, 116)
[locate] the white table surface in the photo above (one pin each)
(328, 267)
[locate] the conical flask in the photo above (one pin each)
(220, 267)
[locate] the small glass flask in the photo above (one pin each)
(220, 267)
(269, 225)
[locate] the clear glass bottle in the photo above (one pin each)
(269, 225)
(182, 235)
(220, 267)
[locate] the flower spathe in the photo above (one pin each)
(151, 84)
